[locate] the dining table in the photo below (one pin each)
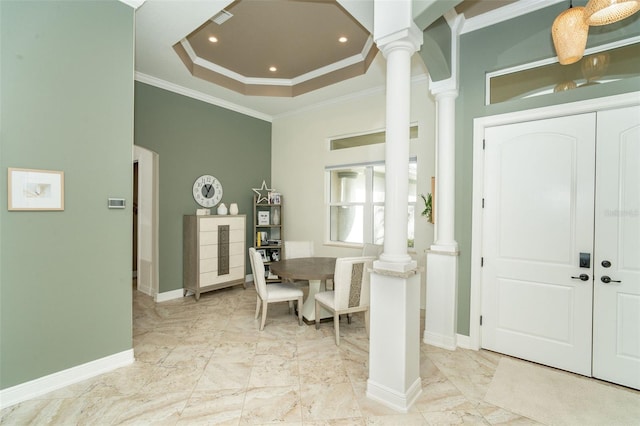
(317, 270)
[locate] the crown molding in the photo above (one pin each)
(352, 96)
(505, 13)
(163, 84)
(133, 3)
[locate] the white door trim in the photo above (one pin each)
(479, 125)
(148, 229)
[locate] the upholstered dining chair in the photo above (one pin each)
(272, 293)
(296, 249)
(351, 283)
(369, 249)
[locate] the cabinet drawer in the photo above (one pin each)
(208, 278)
(211, 223)
(211, 264)
(211, 237)
(211, 251)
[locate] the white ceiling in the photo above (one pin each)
(162, 23)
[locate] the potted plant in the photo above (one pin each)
(428, 207)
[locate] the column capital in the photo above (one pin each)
(407, 38)
(443, 89)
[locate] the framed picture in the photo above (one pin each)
(274, 198)
(275, 255)
(263, 217)
(30, 189)
(263, 254)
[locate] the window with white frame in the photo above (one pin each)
(356, 203)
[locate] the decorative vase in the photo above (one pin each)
(233, 208)
(222, 209)
(276, 216)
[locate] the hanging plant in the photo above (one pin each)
(428, 209)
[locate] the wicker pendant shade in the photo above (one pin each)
(603, 12)
(569, 32)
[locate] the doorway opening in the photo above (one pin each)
(146, 207)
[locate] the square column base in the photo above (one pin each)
(441, 300)
(394, 342)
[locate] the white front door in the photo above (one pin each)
(616, 305)
(537, 219)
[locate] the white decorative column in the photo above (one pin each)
(442, 257)
(394, 349)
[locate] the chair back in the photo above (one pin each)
(296, 249)
(257, 267)
(351, 281)
(369, 249)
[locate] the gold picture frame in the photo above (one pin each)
(33, 189)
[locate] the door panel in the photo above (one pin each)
(538, 217)
(616, 331)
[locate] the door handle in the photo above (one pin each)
(582, 277)
(605, 279)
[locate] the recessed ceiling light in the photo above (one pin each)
(213, 39)
(273, 69)
(343, 39)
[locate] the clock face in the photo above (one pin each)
(207, 191)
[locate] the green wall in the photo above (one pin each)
(194, 138)
(66, 104)
(510, 43)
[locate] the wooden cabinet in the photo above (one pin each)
(213, 252)
(268, 233)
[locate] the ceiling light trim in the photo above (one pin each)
(327, 69)
(267, 81)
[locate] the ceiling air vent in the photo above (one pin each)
(221, 17)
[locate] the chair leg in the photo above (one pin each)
(264, 314)
(317, 315)
(366, 321)
(336, 327)
(300, 310)
(290, 307)
(258, 300)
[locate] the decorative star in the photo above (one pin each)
(260, 191)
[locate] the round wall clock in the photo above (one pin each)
(207, 191)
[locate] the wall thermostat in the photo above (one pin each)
(116, 203)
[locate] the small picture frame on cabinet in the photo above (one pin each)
(275, 255)
(263, 255)
(263, 217)
(274, 198)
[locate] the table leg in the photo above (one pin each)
(309, 305)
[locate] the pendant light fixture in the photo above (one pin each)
(603, 12)
(569, 33)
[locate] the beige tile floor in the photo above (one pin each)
(205, 362)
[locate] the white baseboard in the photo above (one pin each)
(440, 341)
(34, 388)
(463, 341)
(145, 289)
(393, 399)
(179, 294)
(169, 295)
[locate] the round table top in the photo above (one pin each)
(305, 268)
